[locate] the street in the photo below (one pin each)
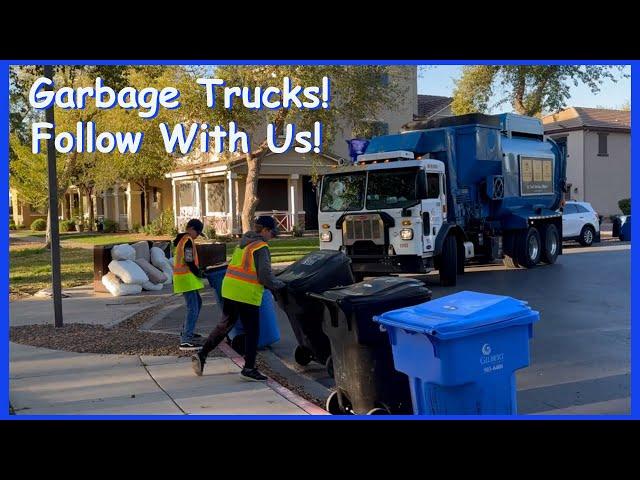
(580, 352)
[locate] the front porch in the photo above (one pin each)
(214, 193)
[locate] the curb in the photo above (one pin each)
(297, 400)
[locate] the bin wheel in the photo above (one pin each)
(238, 343)
(378, 411)
(332, 405)
(302, 355)
(329, 365)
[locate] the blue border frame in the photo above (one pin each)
(4, 259)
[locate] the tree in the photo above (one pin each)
(359, 94)
(531, 89)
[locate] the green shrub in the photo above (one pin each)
(163, 224)
(297, 231)
(109, 226)
(137, 228)
(67, 226)
(12, 225)
(625, 206)
(39, 225)
(210, 232)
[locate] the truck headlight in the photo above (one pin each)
(325, 236)
(406, 234)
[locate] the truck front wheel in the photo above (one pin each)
(449, 262)
(528, 247)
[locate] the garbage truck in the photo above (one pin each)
(447, 191)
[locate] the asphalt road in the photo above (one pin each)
(580, 353)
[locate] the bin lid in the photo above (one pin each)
(320, 264)
(459, 313)
(376, 290)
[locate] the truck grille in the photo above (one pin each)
(363, 227)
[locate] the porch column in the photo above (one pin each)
(116, 205)
(231, 203)
(293, 180)
(134, 212)
(175, 203)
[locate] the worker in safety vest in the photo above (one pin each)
(248, 274)
(187, 280)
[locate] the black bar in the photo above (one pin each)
(53, 211)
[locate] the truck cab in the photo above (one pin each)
(385, 212)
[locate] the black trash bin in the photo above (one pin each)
(316, 272)
(366, 380)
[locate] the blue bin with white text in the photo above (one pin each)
(461, 352)
(269, 333)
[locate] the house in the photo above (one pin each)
(598, 144)
(433, 106)
(213, 190)
(122, 203)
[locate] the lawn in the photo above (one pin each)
(286, 249)
(92, 238)
(30, 269)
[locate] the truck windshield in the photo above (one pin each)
(391, 188)
(343, 192)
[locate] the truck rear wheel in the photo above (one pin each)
(449, 262)
(528, 247)
(551, 244)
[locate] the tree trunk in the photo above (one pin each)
(250, 192)
(145, 196)
(92, 217)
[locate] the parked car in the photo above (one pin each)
(580, 222)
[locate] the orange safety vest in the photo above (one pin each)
(241, 283)
(183, 279)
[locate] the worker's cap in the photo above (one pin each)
(197, 225)
(267, 222)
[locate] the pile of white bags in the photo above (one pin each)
(161, 262)
(118, 289)
(126, 277)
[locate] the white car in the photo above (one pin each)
(580, 222)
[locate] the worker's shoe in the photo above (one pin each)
(252, 375)
(192, 346)
(197, 363)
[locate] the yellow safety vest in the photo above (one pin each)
(183, 279)
(241, 283)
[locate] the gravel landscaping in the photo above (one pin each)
(124, 338)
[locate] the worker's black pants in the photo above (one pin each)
(231, 311)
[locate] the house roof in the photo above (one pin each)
(429, 105)
(582, 118)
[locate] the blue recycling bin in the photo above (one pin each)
(625, 229)
(269, 333)
(461, 352)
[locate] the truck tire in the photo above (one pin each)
(551, 245)
(528, 246)
(449, 262)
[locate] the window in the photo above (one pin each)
(215, 197)
(391, 188)
(187, 198)
(342, 192)
(602, 144)
(433, 185)
(156, 195)
(581, 209)
(569, 208)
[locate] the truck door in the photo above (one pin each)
(432, 210)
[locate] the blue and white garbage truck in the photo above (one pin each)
(446, 191)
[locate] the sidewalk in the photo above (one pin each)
(46, 382)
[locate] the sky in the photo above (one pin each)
(438, 80)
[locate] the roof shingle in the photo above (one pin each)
(581, 117)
